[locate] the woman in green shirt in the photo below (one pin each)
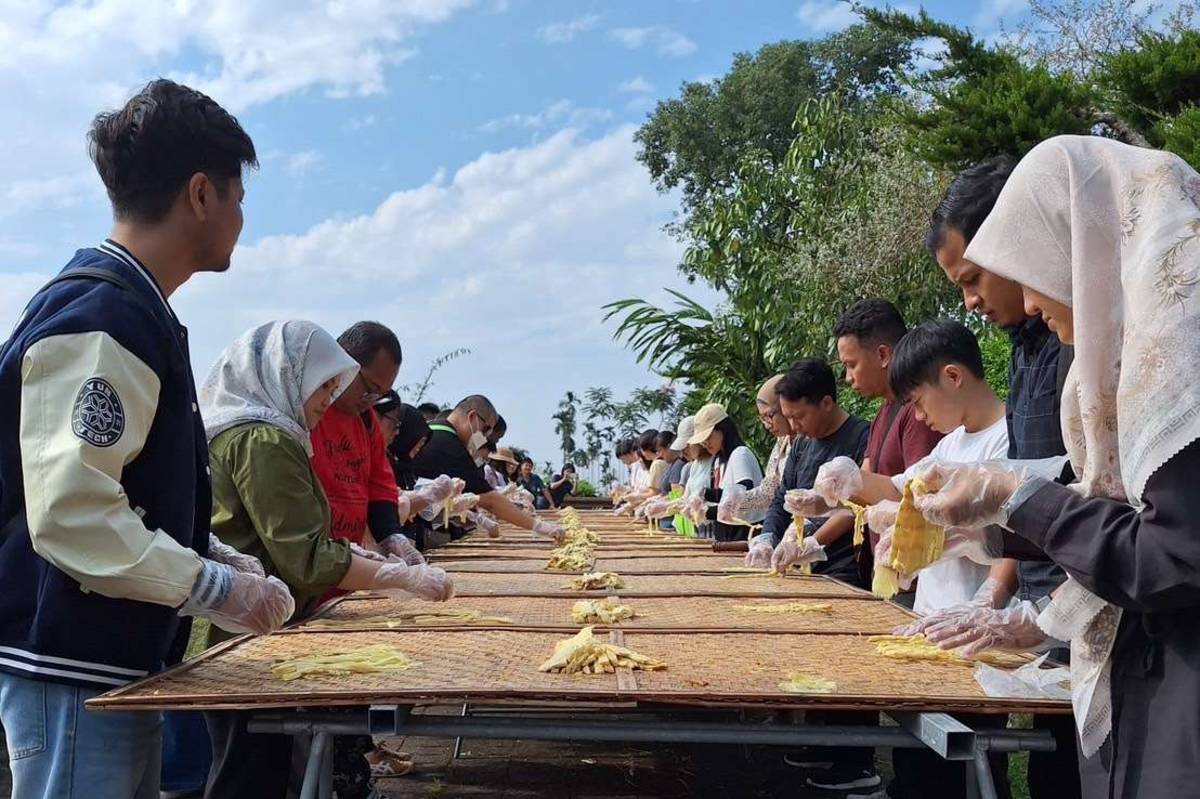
(261, 399)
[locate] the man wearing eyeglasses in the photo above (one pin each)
(457, 447)
(349, 451)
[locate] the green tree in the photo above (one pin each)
(1153, 82)
(565, 423)
(694, 142)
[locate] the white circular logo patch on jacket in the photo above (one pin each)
(98, 417)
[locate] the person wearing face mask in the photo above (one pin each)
(457, 448)
(262, 398)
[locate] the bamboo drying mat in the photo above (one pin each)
(858, 616)
(457, 666)
(710, 563)
(499, 566)
(551, 584)
(490, 553)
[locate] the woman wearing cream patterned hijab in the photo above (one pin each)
(1104, 238)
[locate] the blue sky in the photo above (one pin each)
(460, 170)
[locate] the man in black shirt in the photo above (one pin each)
(1037, 369)
(457, 447)
(808, 399)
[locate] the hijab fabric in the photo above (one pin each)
(267, 374)
(1113, 232)
(412, 429)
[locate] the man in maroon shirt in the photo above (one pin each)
(866, 335)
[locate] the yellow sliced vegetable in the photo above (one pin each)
(798, 683)
(365, 660)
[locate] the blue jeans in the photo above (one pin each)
(59, 750)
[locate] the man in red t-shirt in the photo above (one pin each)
(866, 335)
(349, 452)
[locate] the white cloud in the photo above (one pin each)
(638, 85)
(563, 32)
(511, 255)
(301, 163)
(360, 123)
(560, 114)
(665, 40)
(823, 16)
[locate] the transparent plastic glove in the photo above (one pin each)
(694, 508)
(805, 502)
(791, 552)
(523, 498)
(656, 508)
(438, 490)
(427, 582)
(404, 506)
(221, 552)
(399, 546)
(624, 509)
(729, 509)
(239, 602)
(549, 530)
(967, 494)
(1013, 629)
(759, 556)
(363, 552)
(992, 594)
(486, 523)
(463, 503)
(838, 479)
(882, 515)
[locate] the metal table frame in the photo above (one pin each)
(939, 732)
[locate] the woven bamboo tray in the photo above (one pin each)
(456, 666)
(498, 566)
(551, 584)
(860, 616)
(627, 552)
(647, 563)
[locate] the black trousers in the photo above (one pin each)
(1055, 775)
(923, 774)
(246, 765)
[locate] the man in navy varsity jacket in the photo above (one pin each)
(104, 488)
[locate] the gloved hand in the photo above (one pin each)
(523, 498)
(657, 508)
(463, 503)
(549, 530)
(438, 490)
(882, 515)
(427, 582)
(980, 545)
(404, 506)
(237, 601)
(967, 494)
(793, 553)
(694, 508)
(992, 594)
(221, 552)
(1012, 629)
(486, 523)
(806, 502)
(399, 546)
(624, 509)
(838, 479)
(759, 556)
(363, 552)
(729, 509)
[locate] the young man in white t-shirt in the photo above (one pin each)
(938, 367)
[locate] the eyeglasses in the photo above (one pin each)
(374, 392)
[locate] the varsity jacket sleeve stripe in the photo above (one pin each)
(87, 405)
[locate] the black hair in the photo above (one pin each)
(731, 438)
(148, 150)
(665, 439)
(364, 340)
(968, 200)
(567, 467)
(624, 447)
(478, 403)
(526, 460)
(645, 441)
(429, 409)
(921, 354)
(498, 430)
(387, 403)
(873, 321)
(809, 379)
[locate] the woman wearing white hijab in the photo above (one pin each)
(1105, 240)
(261, 399)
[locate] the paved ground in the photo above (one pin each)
(512, 769)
